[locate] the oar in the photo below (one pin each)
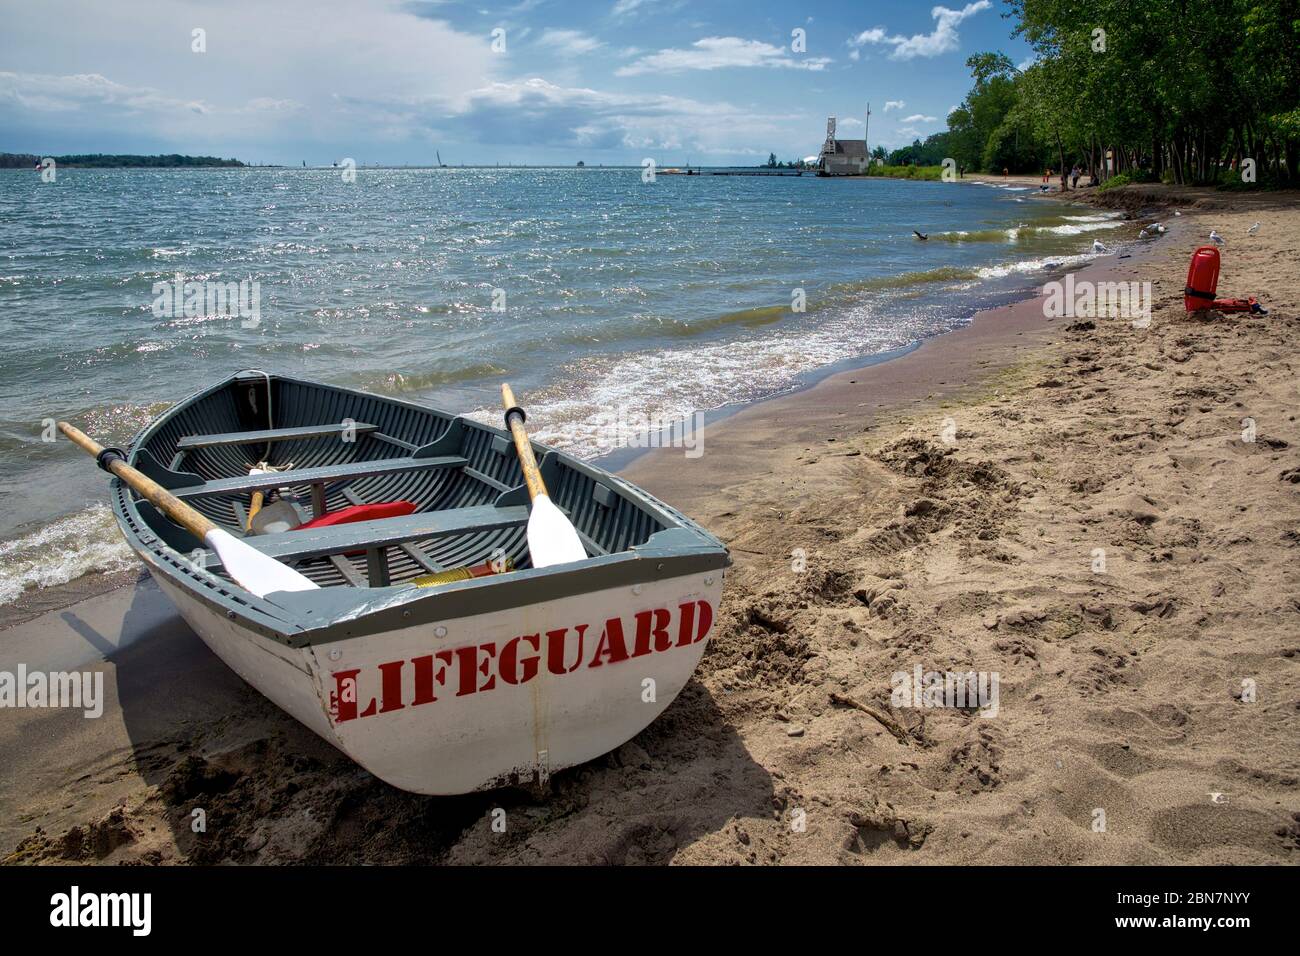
(552, 538)
(251, 568)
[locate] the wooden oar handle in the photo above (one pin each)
(527, 461)
(162, 499)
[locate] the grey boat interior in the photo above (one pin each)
(340, 448)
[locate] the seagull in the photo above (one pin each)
(1097, 246)
(919, 235)
(1252, 230)
(1216, 238)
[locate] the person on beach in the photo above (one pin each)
(1075, 173)
(1005, 172)
(1047, 176)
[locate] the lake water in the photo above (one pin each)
(590, 290)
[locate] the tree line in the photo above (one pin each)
(102, 160)
(1184, 91)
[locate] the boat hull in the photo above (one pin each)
(498, 698)
(491, 680)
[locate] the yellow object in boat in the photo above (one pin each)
(451, 575)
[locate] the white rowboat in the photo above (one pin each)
(483, 682)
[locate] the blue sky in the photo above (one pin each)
(536, 81)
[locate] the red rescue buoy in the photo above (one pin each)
(1202, 279)
(1203, 283)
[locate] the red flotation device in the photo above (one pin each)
(1203, 283)
(384, 509)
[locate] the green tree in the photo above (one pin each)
(1181, 89)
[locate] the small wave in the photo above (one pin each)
(906, 280)
(1082, 227)
(978, 235)
(837, 296)
(62, 551)
(1076, 225)
(577, 414)
(760, 315)
(396, 383)
(1002, 270)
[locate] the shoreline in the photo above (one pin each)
(934, 370)
(964, 552)
(34, 603)
(117, 623)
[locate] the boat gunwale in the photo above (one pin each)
(296, 619)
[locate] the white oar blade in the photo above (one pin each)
(552, 538)
(254, 570)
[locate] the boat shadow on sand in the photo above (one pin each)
(228, 777)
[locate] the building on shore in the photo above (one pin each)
(842, 157)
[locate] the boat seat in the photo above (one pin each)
(317, 476)
(191, 442)
(371, 535)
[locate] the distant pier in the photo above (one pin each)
(737, 172)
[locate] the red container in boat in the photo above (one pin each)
(385, 509)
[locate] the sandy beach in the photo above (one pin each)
(1101, 515)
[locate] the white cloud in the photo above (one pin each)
(1026, 63)
(624, 7)
(48, 93)
(712, 53)
(918, 118)
(874, 35)
(943, 39)
(569, 41)
(537, 112)
(909, 132)
(265, 104)
(125, 72)
(894, 105)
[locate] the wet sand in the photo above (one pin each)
(947, 508)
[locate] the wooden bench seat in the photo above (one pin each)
(325, 474)
(368, 535)
(191, 442)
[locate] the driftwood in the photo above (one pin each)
(889, 723)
